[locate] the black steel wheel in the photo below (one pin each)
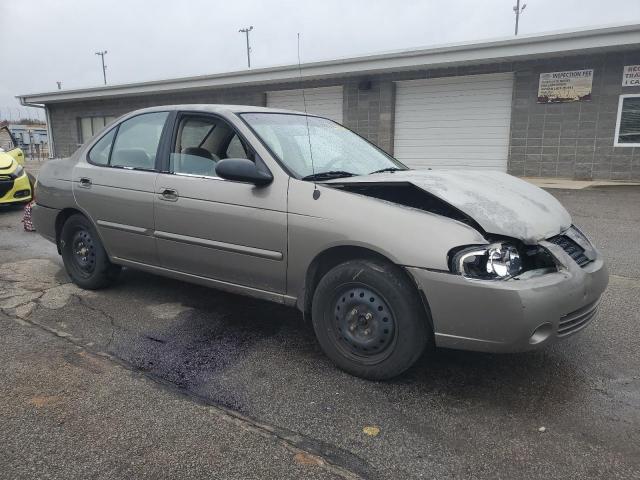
(365, 325)
(85, 259)
(84, 252)
(369, 319)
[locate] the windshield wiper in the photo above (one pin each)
(388, 169)
(329, 175)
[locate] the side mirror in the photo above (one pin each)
(243, 170)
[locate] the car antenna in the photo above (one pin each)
(316, 192)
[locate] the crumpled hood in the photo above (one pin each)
(500, 203)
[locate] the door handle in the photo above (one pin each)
(169, 194)
(85, 182)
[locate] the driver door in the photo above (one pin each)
(232, 232)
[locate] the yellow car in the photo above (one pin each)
(15, 184)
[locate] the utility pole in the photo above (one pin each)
(517, 10)
(246, 31)
(104, 67)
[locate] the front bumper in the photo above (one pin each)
(514, 315)
(15, 190)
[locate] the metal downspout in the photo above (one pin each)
(48, 120)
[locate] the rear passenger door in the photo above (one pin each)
(210, 227)
(115, 184)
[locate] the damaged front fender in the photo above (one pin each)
(321, 218)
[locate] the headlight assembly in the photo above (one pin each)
(497, 261)
(18, 171)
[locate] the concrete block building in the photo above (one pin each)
(564, 104)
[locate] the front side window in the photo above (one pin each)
(136, 144)
(201, 142)
(312, 145)
(236, 149)
(628, 131)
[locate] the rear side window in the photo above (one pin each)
(136, 144)
(99, 154)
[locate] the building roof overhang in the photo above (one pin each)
(525, 47)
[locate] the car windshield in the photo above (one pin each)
(336, 151)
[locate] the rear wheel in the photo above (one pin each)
(84, 256)
(369, 319)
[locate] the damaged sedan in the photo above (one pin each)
(385, 261)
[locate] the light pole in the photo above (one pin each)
(104, 67)
(246, 31)
(517, 10)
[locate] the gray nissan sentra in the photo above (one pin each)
(296, 209)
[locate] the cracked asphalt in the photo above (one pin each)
(154, 377)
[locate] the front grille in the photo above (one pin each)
(574, 250)
(5, 186)
(577, 320)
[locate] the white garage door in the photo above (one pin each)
(454, 122)
(325, 101)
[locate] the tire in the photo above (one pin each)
(369, 319)
(32, 182)
(84, 256)
(32, 186)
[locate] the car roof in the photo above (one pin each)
(216, 108)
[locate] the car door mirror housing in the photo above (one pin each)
(243, 170)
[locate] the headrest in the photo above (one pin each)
(198, 152)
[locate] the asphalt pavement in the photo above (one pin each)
(155, 377)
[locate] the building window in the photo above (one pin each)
(628, 123)
(89, 126)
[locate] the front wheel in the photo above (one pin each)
(84, 257)
(369, 319)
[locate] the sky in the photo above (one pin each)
(45, 41)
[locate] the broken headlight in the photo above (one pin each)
(497, 261)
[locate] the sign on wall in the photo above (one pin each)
(631, 76)
(571, 86)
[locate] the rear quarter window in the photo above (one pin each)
(99, 153)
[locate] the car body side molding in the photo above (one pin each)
(125, 228)
(229, 247)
